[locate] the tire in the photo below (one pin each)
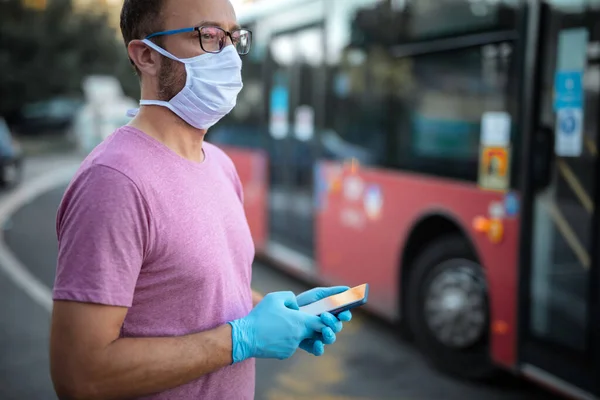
(447, 282)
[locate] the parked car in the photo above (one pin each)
(51, 116)
(11, 158)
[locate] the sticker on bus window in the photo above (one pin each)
(279, 109)
(495, 129)
(569, 91)
(373, 202)
(511, 204)
(304, 124)
(496, 210)
(353, 188)
(569, 132)
(494, 168)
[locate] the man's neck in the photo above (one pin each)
(166, 127)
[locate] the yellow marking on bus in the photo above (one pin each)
(569, 235)
(351, 165)
(576, 186)
(591, 146)
(354, 166)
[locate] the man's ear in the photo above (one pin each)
(142, 57)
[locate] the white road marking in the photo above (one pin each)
(26, 193)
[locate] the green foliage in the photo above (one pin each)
(48, 53)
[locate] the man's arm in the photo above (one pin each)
(256, 298)
(89, 360)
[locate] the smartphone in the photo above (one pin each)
(354, 297)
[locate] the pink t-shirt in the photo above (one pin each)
(143, 228)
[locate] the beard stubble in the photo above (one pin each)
(171, 78)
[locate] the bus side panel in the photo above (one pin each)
(251, 166)
(364, 219)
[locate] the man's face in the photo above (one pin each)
(179, 14)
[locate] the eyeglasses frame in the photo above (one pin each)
(198, 29)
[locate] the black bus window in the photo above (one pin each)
(399, 112)
(357, 115)
(439, 104)
(396, 22)
(442, 18)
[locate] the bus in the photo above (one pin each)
(445, 152)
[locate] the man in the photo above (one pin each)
(152, 292)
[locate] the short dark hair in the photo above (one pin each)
(140, 18)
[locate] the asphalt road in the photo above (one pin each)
(368, 361)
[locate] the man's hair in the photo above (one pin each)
(140, 18)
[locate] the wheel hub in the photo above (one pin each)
(453, 300)
(455, 309)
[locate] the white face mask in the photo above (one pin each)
(211, 88)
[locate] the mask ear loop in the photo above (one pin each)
(165, 53)
(134, 111)
(159, 49)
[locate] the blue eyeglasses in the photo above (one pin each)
(213, 39)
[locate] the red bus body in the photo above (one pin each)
(373, 251)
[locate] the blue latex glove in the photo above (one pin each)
(273, 329)
(316, 345)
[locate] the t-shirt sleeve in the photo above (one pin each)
(103, 238)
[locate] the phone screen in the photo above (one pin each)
(351, 296)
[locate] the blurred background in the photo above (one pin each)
(444, 151)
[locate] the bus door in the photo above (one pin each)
(560, 284)
(292, 76)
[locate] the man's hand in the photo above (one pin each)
(316, 346)
(273, 329)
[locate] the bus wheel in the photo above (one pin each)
(448, 308)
